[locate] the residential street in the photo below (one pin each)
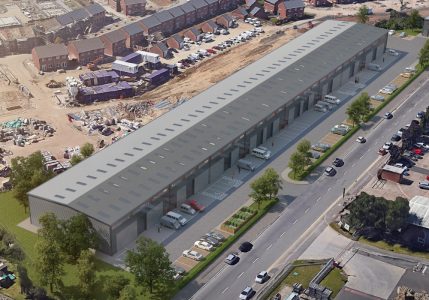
(301, 219)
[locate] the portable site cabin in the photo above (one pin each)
(125, 68)
(150, 60)
(159, 76)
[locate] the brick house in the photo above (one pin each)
(175, 41)
(134, 34)
(318, 3)
(133, 7)
(194, 34)
(291, 9)
(209, 26)
(85, 51)
(50, 57)
(166, 20)
(151, 25)
(114, 42)
(161, 49)
(249, 4)
(179, 18)
(272, 6)
(190, 13)
(258, 12)
(213, 7)
(240, 13)
(202, 9)
(225, 20)
(97, 13)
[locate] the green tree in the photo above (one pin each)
(76, 159)
(362, 14)
(50, 228)
(273, 182)
(260, 190)
(397, 214)
(78, 235)
(297, 163)
(128, 293)
(87, 150)
(359, 109)
(27, 173)
(353, 112)
(150, 264)
(414, 19)
(368, 211)
(304, 146)
(86, 272)
(113, 285)
(423, 55)
(49, 262)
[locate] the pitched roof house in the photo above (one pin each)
(194, 34)
(151, 25)
(291, 9)
(50, 57)
(179, 18)
(134, 33)
(190, 13)
(175, 41)
(114, 42)
(87, 50)
(167, 21)
(209, 26)
(161, 49)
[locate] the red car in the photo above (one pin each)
(382, 151)
(211, 51)
(195, 205)
(417, 151)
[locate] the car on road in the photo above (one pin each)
(388, 115)
(195, 205)
(387, 145)
(382, 151)
(330, 171)
(192, 255)
(210, 240)
(245, 247)
(361, 139)
(216, 235)
(232, 259)
(338, 162)
(247, 293)
(420, 114)
(395, 138)
(377, 98)
(204, 245)
(424, 185)
(262, 277)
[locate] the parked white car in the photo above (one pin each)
(192, 255)
(391, 32)
(203, 245)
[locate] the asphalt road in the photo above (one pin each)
(310, 202)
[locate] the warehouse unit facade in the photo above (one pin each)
(127, 187)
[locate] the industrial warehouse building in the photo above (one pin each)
(127, 187)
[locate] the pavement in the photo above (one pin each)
(306, 203)
(327, 245)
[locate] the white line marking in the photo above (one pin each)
(241, 274)
(353, 165)
(294, 222)
(282, 234)
(269, 246)
(345, 172)
(361, 157)
(223, 292)
(255, 260)
(329, 188)
(317, 200)
(306, 211)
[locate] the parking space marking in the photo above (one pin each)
(241, 274)
(361, 157)
(223, 292)
(345, 172)
(306, 211)
(330, 188)
(255, 260)
(282, 234)
(294, 222)
(269, 246)
(317, 200)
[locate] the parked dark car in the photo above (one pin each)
(338, 162)
(395, 138)
(245, 247)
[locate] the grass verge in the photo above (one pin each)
(337, 228)
(302, 274)
(395, 248)
(262, 210)
(412, 31)
(335, 281)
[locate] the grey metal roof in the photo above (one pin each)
(198, 3)
(294, 4)
(88, 44)
(228, 17)
(64, 19)
(162, 46)
(187, 7)
(212, 24)
(250, 3)
(51, 50)
(177, 37)
(150, 22)
(95, 9)
(255, 10)
(241, 10)
(419, 211)
(176, 11)
(123, 177)
(133, 28)
(79, 14)
(195, 31)
(132, 2)
(163, 16)
(211, 1)
(115, 36)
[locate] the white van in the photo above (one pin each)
(186, 208)
(261, 152)
(332, 99)
(392, 52)
(177, 217)
(245, 165)
(319, 107)
(169, 223)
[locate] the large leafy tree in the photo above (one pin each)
(113, 285)
(49, 262)
(150, 265)
(304, 147)
(362, 14)
(266, 187)
(414, 19)
(424, 55)
(397, 214)
(86, 272)
(359, 109)
(27, 173)
(128, 293)
(78, 235)
(297, 163)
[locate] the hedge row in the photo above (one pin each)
(228, 242)
(325, 155)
